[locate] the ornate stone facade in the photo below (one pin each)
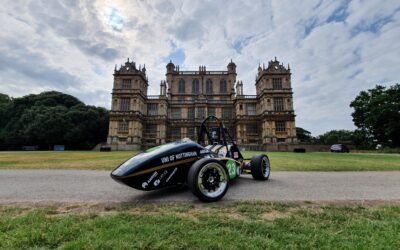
(257, 122)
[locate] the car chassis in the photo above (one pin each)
(207, 166)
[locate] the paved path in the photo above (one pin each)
(97, 186)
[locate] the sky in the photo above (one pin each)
(335, 48)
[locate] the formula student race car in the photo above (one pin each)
(207, 169)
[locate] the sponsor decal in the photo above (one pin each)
(231, 166)
(146, 183)
(154, 175)
(172, 174)
(164, 159)
(179, 156)
(158, 181)
(235, 155)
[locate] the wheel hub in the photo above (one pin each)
(212, 180)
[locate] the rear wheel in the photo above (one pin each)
(260, 168)
(208, 179)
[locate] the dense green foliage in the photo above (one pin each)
(244, 225)
(336, 136)
(303, 135)
(377, 115)
(50, 118)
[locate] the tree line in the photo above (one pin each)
(54, 118)
(48, 119)
(376, 116)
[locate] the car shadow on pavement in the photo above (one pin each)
(175, 193)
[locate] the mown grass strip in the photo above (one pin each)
(257, 225)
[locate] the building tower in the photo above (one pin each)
(128, 107)
(275, 105)
(231, 78)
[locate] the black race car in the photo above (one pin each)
(207, 169)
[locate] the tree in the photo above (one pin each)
(377, 114)
(303, 135)
(52, 118)
(336, 136)
(5, 100)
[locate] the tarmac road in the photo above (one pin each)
(97, 186)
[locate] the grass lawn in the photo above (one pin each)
(254, 225)
(280, 161)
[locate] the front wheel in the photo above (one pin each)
(260, 167)
(208, 179)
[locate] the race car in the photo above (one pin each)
(206, 166)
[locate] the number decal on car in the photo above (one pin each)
(231, 166)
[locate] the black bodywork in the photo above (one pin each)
(169, 164)
(161, 166)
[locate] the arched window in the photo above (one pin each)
(222, 86)
(181, 87)
(195, 86)
(209, 87)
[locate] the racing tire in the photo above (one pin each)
(260, 167)
(208, 179)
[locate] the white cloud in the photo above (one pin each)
(335, 48)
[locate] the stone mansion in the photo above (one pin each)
(257, 122)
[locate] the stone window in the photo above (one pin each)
(151, 130)
(278, 104)
(277, 83)
(125, 104)
(201, 113)
(123, 126)
(222, 86)
(251, 129)
(195, 86)
(126, 83)
(152, 109)
(190, 133)
(227, 113)
(175, 132)
(211, 111)
(251, 109)
(209, 86)
(280, 126)
(181, 87)
(191, 114)
(176, 113)
(280, 139)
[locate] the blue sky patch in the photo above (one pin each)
(340, 14)
(177, 55)
(373, 27)
(239, 44)
(310, 25)
(115, 19)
